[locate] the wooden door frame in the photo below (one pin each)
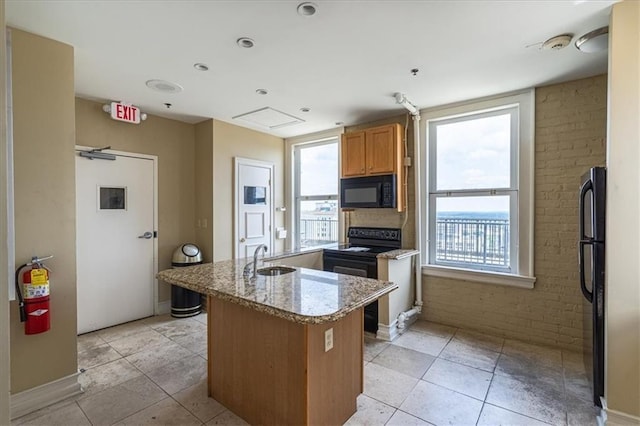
(154, 158)
(237, 161)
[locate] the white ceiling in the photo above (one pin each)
(344, 63)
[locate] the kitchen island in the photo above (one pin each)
(284, 349)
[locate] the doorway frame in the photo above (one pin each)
(154, 158)
(237, 161)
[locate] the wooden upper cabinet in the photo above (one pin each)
(353, 154)
(374, 151)
(381, 150)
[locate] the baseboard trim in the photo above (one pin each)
(33, 399)
(388, 332)
(611, 417)
(164, 307)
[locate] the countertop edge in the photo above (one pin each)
(398, 254)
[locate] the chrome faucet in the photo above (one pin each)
(247, 269)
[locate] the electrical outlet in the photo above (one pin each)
(328, 340)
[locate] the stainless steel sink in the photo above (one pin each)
(273, 271)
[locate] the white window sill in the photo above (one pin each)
(488, 277)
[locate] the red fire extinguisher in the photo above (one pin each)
(33, 298)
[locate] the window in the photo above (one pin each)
(315, 187)
(479, 162)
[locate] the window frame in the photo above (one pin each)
(292, 184)
(522, 176)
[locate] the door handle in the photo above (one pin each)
(242, 240)
(147, 235)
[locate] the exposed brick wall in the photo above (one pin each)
(570, 135)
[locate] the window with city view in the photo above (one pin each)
(473, 190)
(316, 193)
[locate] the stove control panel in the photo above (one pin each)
(383, 234)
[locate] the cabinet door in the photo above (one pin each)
(381, 150)
(353, 154)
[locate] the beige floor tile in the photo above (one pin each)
(181, 328)
(573, 361)
(434, 328)
(480, 340)
(45, 411)
(158, 355)
(496, 416)
(68, 415)
(370, 412)
(400, 418)
(201, 318)
(580, 412)
(227, 418)
(523, 366)
(530, 397)
(472, 356)
(387, 385)
(196, 400)
(161, 320)
(194, 342)
(405, 361)
(89, 340)
(166, 412)
(123, 400)
(460, 378)
(138, 342)
(372, 347)
(180, 375)
(422, 342)
(441, 406)
(123, 330)
(577, 385)
(546, 356)
(97, 355)
(107, 375)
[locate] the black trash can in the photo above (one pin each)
(185, 303)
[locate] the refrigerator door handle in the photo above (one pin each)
(586, 187)
(583, 284)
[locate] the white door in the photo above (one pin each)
(253, 206)
(115, 240)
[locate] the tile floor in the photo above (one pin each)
(153, 371)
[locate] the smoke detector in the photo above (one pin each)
(557, 42)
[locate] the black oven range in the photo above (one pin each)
(358, 257)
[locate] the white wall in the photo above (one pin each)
(622, 293)
(4, 304)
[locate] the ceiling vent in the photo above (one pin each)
(269, 118)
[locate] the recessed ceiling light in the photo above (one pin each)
(305, 109)
(594, 41)
(201, 67)
(261, 91)
(245, 42)
(164, 86)
(307, 9)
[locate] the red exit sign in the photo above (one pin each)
(124, 112)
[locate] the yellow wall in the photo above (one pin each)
(231, 141)
(204, 188)
(44, 139)
(173, 142)
(622, 297)
(4, 281)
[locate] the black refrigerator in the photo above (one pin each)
(591, 252)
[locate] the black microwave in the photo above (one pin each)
(368, 192)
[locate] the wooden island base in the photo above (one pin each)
(272, 371)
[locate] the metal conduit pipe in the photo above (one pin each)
(403, 317)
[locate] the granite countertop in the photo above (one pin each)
(398, 254)
(305, 296)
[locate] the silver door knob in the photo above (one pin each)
(147, 235)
